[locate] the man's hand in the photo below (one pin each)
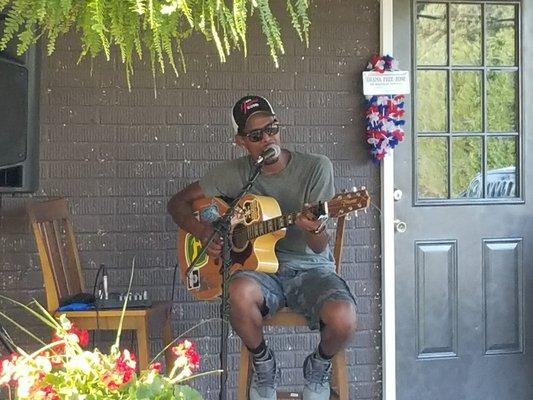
(307, 221)
(204, 232)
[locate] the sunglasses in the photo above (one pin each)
(257, 135)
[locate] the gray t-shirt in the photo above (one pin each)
(307, 178)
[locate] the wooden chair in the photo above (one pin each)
(287, 317)
(62, 277)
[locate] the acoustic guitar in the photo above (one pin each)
(256, 226)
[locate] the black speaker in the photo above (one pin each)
(19, 119)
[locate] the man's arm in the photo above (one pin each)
(180, 208)
(316, 241)
(322, 188)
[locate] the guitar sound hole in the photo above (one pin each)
(238, 237)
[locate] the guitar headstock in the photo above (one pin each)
(344, 203)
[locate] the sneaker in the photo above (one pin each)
(264, 378)
(316, 374)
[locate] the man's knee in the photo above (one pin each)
(244, 293)
(339, 316)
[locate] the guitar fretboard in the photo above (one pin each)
(272, 225)
(257, 229)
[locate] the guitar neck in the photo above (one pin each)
(261, 228)
(341, 204)
(258, 229)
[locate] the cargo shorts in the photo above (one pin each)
(303, 290)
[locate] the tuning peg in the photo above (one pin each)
(348, 217)
(354, 188)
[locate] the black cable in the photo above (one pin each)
(100, 268)
(173, 282)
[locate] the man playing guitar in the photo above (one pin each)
(306, 280)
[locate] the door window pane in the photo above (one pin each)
(467, 177)
(432, 34)
(501, 152)
(501, 166)
(468, 125)
(465, 25)
(502, 101)
(501, 34)
(432, 167)
(466, 101)
(432, 115)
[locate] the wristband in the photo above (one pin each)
(319, 230)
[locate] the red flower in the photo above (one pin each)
(111, 381)
(122, 372)
(49, 393)
(7, 369)
(187, 349)
(156, 366)
(81, 334)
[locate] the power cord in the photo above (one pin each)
(174, 282)
(100, 269)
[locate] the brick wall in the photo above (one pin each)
(118, 156)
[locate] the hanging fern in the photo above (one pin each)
(156, 26)
(300, 21)
(270, 29)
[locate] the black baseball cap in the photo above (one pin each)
(246, 107)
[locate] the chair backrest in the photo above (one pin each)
(339, 242)
(58, 253)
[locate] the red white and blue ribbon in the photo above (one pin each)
(384, 114)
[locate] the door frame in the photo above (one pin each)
(388, 280)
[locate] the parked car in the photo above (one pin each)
(501, 182)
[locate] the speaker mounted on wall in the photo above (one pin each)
(19, 119)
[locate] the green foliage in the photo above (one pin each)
(502, 152)
(270, 29)
(156, 26)
(466, 162)
(64, 369)
(432, 167)
(300, 21)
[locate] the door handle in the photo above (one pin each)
(400, 226)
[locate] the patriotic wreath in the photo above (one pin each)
(384, 114)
